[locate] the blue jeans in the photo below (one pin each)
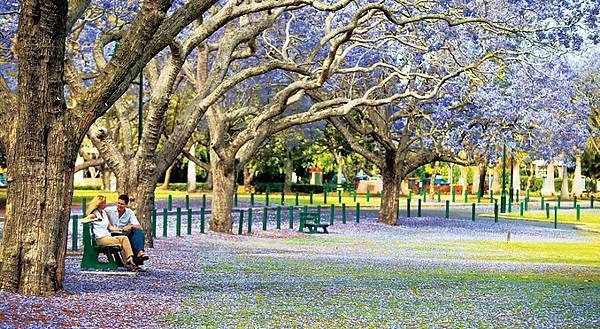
(136, 237)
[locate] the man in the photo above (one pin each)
(124, 218)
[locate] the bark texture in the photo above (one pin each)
(223, 190)
(41, 157)
(391, 178)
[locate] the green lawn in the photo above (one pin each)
(252, 288)
(589, 218)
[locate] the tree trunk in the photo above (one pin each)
(497, 181)
(289, 168)
(432, 180)
(165, 184)
(482, 177)
(464, 178)
(476, 179)
(41, 157)
(223, 190)
(249, 173)
(532, 173)
(142, 204)
(105, 172)
(390, 194)
(516, 182)
(564, 188)
(191, 172)
(577, 187)
(208, 185)
(548, 188)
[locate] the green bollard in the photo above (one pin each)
(517, 196)
(491, 196)
(555, 217)
(235, 199)
(264, 219)
(521, 208)
(368, 195)
(339, 196)
(447, 208)
(547, 210)
(439, 196)
(419, 208)
(203, 200)
(84, 206)
(331, 214)
(74, 233)
(241, 223)
(473, 212)
(495, 212)
(249, 220)
(311, 198)
(154, 223)
(170, 202)
(202, 213)
(574, 201)
(354, 196)
(279, 217)
(466, 197)
(424, 197)
(543, 203)
(189, 221)
(408, 207)
(478, 196)
(343, 213)
(325, 196)
(578, 212)
(267, 197)
(358, 212)
(291, 217)
(252, 199)
(165, 217)
(453, 193)
(178, 228)
(526, 203)
(509, 207)
(558, 201)
(297, 194)
(187, 201)
(282, 198)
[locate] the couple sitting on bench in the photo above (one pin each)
(118, 225)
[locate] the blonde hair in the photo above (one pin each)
(96, 201)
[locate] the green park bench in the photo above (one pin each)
(312, 221)
(91, 252)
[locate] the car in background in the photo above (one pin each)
(440, 184)
(3, 180)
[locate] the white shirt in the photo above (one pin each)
(101, 227)
(128, 217)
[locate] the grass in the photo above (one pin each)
(377, 279)
(266, 291)
(589, 218)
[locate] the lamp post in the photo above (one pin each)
(511, 189)
(503, 196)
(140, 106)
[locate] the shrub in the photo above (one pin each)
(88, 187)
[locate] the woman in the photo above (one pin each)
(102, 228)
